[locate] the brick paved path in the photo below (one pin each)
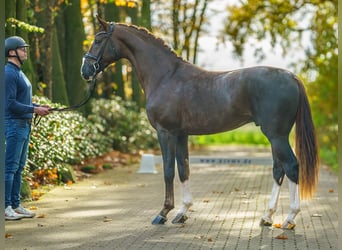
(114, 210)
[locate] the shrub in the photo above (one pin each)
(124, 128)
(61, 137)
(68, 137)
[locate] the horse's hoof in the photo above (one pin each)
(159, 220)
(265, 222)
(289, 225)
(180, 219)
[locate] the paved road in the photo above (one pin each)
(114, 210)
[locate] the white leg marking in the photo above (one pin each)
(187, 198)
(294, 206)
(272, 205)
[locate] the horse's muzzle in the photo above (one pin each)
(88, 70)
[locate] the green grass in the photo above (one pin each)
(248, 134)
(329, 157)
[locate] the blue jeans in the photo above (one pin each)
(17, 136)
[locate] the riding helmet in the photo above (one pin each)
(14, 42)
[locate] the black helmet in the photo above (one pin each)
(14, 42)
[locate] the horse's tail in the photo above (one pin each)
(306, 147)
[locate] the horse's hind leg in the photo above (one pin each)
(289, 223)
(285, 163)
(182, 157)
(266, 219)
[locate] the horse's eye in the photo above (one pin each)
(97, 41)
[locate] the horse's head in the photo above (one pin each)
(102, 51)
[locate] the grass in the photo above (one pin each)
(248, 134)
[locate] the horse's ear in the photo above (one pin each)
(102, 22)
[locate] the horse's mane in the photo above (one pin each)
(147, 34)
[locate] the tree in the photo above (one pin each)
(73, 50)
(187, 19)
(114, 77)
(58, 91)
(137, 95)
(48, 55)
(145, 18)
(16, 24)
(285, 23)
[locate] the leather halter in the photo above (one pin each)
(97, 58)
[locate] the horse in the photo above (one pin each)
(183, 99)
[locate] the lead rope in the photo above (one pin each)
(91, 89)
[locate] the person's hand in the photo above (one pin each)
(42, 110)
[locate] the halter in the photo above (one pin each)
(99, 55)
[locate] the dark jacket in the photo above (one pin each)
(18, 93)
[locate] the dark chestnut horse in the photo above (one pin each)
(183, 100)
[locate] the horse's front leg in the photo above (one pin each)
(182, 156)
(167, 143)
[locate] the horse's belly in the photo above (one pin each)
(214, 123)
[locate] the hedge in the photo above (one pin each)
(68, 137)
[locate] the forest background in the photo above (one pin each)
(60, 32)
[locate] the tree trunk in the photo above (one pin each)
(136, 88)
(10, 11)
(74, 37)
(146, 14)
(28, 69)
(59, 93)
(115, 77)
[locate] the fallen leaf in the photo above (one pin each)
(331, 190)
(205, 201)
(40, 225)
(8, 236)
(277, 225)
(281, 237)
(41, 216)
(107, 220)
(316, 215)
(33, 208)
(291, 226)
(210, 239)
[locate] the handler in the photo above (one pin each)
(19, 110)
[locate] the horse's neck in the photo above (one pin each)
(151, 59)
